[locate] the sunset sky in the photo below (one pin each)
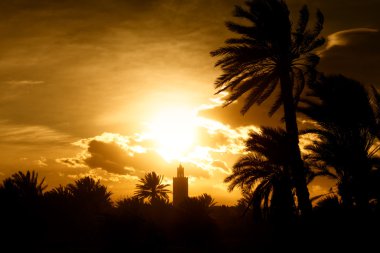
(117, 88)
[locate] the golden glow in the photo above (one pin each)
(174, 132)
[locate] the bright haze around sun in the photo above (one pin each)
(115, 89)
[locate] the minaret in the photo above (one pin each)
(180, 186)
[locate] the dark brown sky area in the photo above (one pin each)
(82, 80)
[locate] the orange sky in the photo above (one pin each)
(117, 88)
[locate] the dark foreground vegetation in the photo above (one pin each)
(339, 141)
(80, 217)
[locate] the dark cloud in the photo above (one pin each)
(108, 156)
(347, 14)
(71, 162)
(354, 53)
(257, 115)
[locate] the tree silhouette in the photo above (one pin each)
(150, 187)
(263, 174)
(21, 197)
(199, 205)
(131, 205)
(196, 226)
(346, 131)
(90, 195)
(244, 204)
(269, 53)
(24, 186)
(60, 193)
(349, 155)
(206, 200)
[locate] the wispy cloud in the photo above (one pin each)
(42, 162)
(340, 38)
(103, 175)
(31, 134)
(23, 83)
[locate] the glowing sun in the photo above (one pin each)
(174, 132)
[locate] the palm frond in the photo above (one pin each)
(276, 105)
(301, 25)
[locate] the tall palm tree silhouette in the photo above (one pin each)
(151, 187)
(264, 174)
(269, 53)
(345, 148)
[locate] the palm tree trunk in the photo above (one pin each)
(298, 170)
(361, 191)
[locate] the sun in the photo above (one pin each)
(173, 131)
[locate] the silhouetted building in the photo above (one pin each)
(180, 186)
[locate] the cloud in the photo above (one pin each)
(23, 83)
(354, 53)
(222, 165)
(120, 185)
(110, 152)
(105, 176)
(73, 162)
(42, 162)
(342, 38)
(14, 89)
(257, 115)
(108, 156)
(99, 57)
(217, 146)
(31, 135)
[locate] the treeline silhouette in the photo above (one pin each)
(80, 217)
(339, 140)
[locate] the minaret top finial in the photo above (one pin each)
(180, 171)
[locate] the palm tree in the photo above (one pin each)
(345, 145)
(199, 205)
(270, 53)
(22, 206)
(61, 192)
(150, 187)
(89, 194)
(59, 197)
(263, 174)
(194, 222)
(24, 185)
(132, 205)
(206, 200)
(349, 154)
